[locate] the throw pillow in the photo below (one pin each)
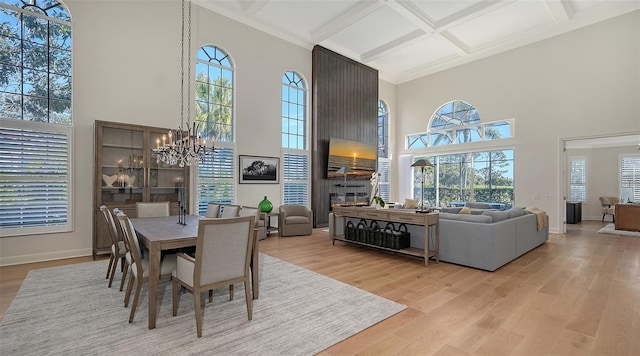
(411, 203)
(465, 210)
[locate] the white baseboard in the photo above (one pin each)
(41, 257)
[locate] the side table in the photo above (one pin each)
(268, 226)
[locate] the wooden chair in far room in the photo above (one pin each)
(609, 207)
(230, 211)
(295, 220)
(223, 256)
(118, 249)
(152, 210)
(140, 268)
(213, 210)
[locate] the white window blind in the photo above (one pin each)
(35, 185)
(216, 178)
(295, 176)
(383, 180)
(630, 175)
(577, 179)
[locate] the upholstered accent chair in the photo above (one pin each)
(152, 210)
(609, 207)
(223, 255)
(295, 220)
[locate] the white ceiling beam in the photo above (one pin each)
(253, 7)
(562, 10)
(413, 14)
(389, 47)
(472, 12)
(449, 39)
(354, 14)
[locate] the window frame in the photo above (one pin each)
(636, 177)
(585, 177)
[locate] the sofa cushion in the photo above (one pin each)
(473, 205)
(515, 212)
(296, 220)
(464, 210)
(411, 203)
(496, 215)
(451, 209)
(467, 217)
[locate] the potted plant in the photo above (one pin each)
(379, 202)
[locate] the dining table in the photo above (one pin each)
(159, 234)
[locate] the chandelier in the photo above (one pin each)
(185, 145)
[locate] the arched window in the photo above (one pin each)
(35, 91)
(214, 112)
(476, 176)
(295, 156)
(383, 150)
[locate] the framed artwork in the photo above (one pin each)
(259, 170)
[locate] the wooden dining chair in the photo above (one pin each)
(230, 211)
(127, 256)
(223, 255)
(213, 210)
(118, 249)
(152, 210)
(139, 270)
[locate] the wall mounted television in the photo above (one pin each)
(358, 158)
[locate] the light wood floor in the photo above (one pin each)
(577, 294)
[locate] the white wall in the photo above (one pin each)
(583, 83)
(603, 176)
(126, 68)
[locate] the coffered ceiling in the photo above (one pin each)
(407, 39)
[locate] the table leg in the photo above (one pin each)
(154, 273)
(426, 244)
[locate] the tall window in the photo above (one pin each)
(383, 150)
(214, 112)
(630, 177)
(482, 176)
(295, 155)
(578, 179)
(35, 117)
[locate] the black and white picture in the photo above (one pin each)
(258, 170)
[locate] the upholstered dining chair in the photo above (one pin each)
(609, 207)
(152, 210)
(213, 210)
(118, 249)
(139, 270)
(230, 211)
(223, 256)
(295, 220)
(259, 224)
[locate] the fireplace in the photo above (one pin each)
(348, 199)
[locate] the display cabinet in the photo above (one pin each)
(127, 171)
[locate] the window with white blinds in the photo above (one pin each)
(35, 171)
(383, 180)
(630, 176)
(578, 179)
(295, 178)
(295, 155)
(216, 177)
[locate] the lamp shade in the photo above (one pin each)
(422, 163)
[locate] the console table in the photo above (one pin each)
(399, 216)
(627, 217)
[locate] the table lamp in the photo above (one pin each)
(422, 163)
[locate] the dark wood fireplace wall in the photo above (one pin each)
(345, 105)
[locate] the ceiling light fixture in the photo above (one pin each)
(183, 146)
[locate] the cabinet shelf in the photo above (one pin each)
(128, 147)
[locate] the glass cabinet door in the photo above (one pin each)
(122, 165)
(166, 183)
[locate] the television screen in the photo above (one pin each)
(358, 159)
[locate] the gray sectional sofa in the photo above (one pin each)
(488, 239)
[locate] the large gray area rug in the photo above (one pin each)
(611, 230)
(69, 310)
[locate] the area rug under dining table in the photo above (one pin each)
(69, 310)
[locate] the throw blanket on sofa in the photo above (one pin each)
(540, 215)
